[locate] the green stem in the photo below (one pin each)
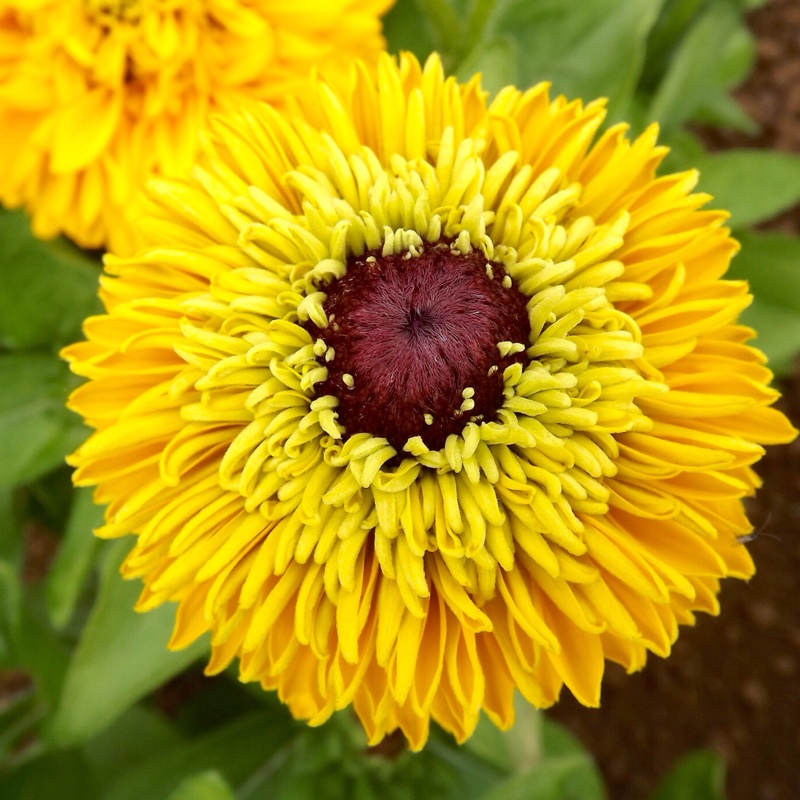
(526, 743)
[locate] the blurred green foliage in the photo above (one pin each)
(81, 711)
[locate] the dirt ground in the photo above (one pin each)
(731, 683)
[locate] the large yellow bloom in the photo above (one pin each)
(416, 401)
(95, 93)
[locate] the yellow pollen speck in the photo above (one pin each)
(372, 260)
(330, 354)
(492, 369)
(489, 272)
(506, 281)
(467, 405)
(349, 380)
(468, 392)
(428, 419)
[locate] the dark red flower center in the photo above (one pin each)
(415, 343)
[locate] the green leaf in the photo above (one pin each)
(36, 429)
(55, 776)
(48, 288)
(497, 59)
(139, 735)
(67, 576)
(558, 742)
(754, 185)
(685, 152)
(524, 740)
(472, 776)
(19, 716)
(11, 541)
(10, 607)
(121, 656)
(10, 604)
(694, 75)
(406, 29)
(28, 642)
(770, 262)
(698, 776)
(737, 57)
(447, 26)
(673, 22)
(722, 111)
(587, 50)
(208, 785)
(303, 767)
(492, 745)
(237, 750)
(37, 649)
(26, 639)
(550, 763)
(778, 334)
(570, 777)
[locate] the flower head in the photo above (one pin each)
(96, 93)
(417, 400)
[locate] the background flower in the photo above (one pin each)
(554, 482)
(95, 93)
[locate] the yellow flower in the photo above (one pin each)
(417, 400)
(96, 93)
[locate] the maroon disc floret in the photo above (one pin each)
(415, 340)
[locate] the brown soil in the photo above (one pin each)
(731, 683)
